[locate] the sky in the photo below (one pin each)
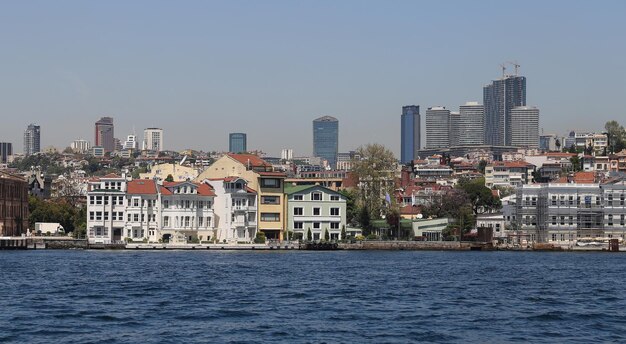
(202, 69)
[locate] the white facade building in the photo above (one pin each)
(81, 146)
(471, 125)
(437, 127)
(525, 127)
(131, 142)
(235, 210)
(153, 139)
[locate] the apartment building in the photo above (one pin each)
(508, 173)
(235, 209)
(316, 208)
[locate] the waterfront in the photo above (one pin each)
(310, 297)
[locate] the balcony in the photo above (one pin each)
(243, 208)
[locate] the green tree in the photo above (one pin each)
(557, 143)
(351, 206)
(576, 166)
(309, 235)
(343, 232)
(374, 171)
(617, 136)
(481, 166)
(393, 220)
(364, 219)
(326, 235)
(169, 178)
(480, 197)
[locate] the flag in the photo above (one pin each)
(388, 198)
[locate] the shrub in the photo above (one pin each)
(359, 237)
(372, 236)
(260, 238)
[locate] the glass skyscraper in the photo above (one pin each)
(326, 139)
(499, 98)
(237, 142)
(409, 133)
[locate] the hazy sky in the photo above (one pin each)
(202, 69)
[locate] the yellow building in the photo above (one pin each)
(269, 186)
(178, 172)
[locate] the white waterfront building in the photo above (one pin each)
(235, 209)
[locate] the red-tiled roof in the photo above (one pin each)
(560, 154)
(202, 188)
(111, 175)
(165, 191)
(141, 187)
(512, 164)
(410, 210)
(579, 178)
(251, 159)
(250, 190)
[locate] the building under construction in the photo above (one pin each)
(564, 213)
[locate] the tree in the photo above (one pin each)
(393, 220)
(575, 160)
(558, 145)
(481, 166)
(616, 135)
(374, 171)
(480, 197)
(351, 207)
(343, 232)
(309, 235)
(169, 178)
(364, 218)
(326, 235)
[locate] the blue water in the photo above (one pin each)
(311, 297)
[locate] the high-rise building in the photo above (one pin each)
(32, 139)
(80, 146)
(6, 150)
(153, 139)
(455, 118)
(286, 154)
(499, 98)
(237, 142)
(409, 133)
(471, 128)
(525, 127)
(326, 139)
(437, 127)
(104, 134)
(131, 142)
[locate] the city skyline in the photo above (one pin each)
(64, 79)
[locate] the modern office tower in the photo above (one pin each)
(437, 127)
(32, 139)
(131, 142)
(6, 150)
(525, 127)
(471, 124)
(104, 134)
(499, 98)
(326, 139)
(455, 118)
(548, 142)
(153, 139)
(80, 146)
(286, 154)
(409, 133)
(237, 142)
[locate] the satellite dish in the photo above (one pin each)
(419, 216)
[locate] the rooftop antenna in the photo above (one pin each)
(516, 65)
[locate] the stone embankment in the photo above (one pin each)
(415, 245)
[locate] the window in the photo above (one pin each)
(336, 197)
(317, 211)
(200, 221)
(166, 204)
(610, 220)
(208, 222)
(334, 225)
(92, 199)
(91, 215)
(334, 211)
(136, 217)
(186, 221)
(270, 200)
(298, 197)
(316, 196)
(270, 182)
(270, 217)
(298, 211)
(98, 216)
(135, 202)
(98, 199)
(200, 204)
(316, 225)
(297, 225)
(166, 221)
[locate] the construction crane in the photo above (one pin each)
(503, 66)
(516, 65)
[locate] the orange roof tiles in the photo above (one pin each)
(251, 159)
(141, 187)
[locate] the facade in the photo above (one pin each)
(143, 210)
(409, 133)
(316, 208)
(13, 205)
(235, 210)
(508, 173)
(32, 139)
(499, 98)
(525, 127)
(153, 139)
(237, 142)
(471, 124)
(6, 151)
(430, 229)
(437, 127)
(286, 154)
(179, 173)
(592, 143)
(548, 142)
(80, 146)
(566, 213)
(326, 139)
(261, 178)
(104, 134)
